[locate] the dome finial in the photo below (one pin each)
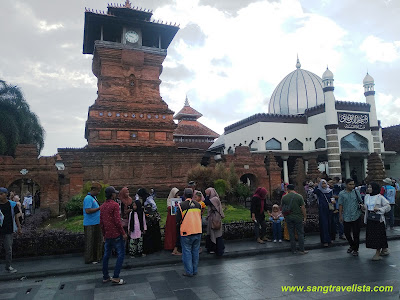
(187, 101)
(298, 64)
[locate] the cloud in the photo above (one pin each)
(377, 50)
(388, 117)
(44, 27)
(251, 50)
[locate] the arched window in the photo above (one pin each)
(273, 144)
(354, 142)
(253, 146)
(319, 143)
(295, 145)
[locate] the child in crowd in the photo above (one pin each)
(136, 228)
(197, 197)
(276, 217)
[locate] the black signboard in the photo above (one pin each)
(353, 121)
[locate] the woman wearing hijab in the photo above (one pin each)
(152, 237)
(377, 205)
(258, 206)
(170, 239)
(214, 241)
(325, 208)
(126, 206)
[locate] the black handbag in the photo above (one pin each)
(373, 216)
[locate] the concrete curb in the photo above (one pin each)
(173, 260)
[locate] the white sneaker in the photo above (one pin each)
(280, 241)
(274, 241)
(11, 270)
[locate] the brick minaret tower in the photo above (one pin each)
(128, 51)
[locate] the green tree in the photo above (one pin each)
(18, 125)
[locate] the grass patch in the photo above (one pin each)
(233, 213)
(72, 224)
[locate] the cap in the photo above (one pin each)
(110, 190)
(3, 190)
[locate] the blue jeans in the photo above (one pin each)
(390, 215)
(277, 230)
(190, 252)
(119, 245)
(338, 226)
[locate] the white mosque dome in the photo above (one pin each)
(368, 79)
(297, 92)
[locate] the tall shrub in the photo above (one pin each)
(221, 186)
(74, 206)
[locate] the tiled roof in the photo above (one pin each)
(196, 145)
(187, 111)
(391, 138)
(193, 128)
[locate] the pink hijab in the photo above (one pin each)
(214, 199)
(124, 197)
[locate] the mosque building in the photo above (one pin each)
(305, 120)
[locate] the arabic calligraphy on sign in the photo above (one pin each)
(353, 121)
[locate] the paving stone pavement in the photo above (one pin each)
(246, 278)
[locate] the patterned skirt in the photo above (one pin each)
(376, 235)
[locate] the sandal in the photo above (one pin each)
(107, 280)
(119, 282)
(350, 250)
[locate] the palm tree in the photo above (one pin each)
(18, 125)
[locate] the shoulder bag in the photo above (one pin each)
(330, 204)
(216, 223)
(373, 216)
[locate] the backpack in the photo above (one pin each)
(287, 208)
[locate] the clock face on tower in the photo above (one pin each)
(131, 36)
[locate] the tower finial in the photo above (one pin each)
(127, 4)
(187, 101)
(298, 64)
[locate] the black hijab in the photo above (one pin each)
(139, 211)
(376, 189)
(142, 192)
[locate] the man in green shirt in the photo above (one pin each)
(293, 203)
(350, 215)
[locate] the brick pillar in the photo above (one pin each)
(274, 172)
(332, 145)
(75, 177)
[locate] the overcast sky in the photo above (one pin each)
(227, 57)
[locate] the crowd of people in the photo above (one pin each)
(342, 207)
(131, 225)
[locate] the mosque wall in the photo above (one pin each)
(244, 136)
(316, 126)
(284, 133)
(392, 166)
